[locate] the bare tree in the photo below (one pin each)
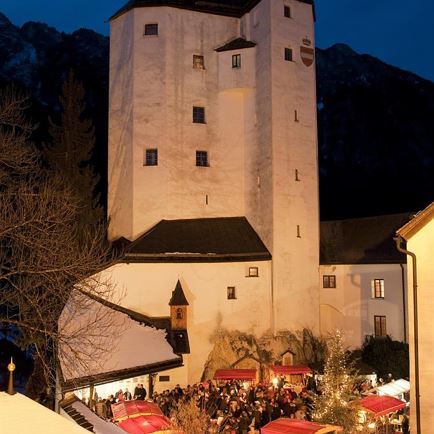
(42, 258)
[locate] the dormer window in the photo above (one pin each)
(151, 30)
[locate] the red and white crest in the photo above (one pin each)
(307, 55)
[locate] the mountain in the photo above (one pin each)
(36, 58)
(376, 129)
(376, 136)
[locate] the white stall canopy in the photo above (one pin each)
(395, 388)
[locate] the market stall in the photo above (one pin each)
(399, 389)
(140, 417)
(294, 426)
(246, 375)
(294, 374)
(381, 411)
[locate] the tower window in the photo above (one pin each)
(287, 11)
(179, 313)
(231, 293)
(253, 272)
(296, 116)
(199, 115)
(151, 157)
(236, 61)
(151, 30)
(198, 62)
(380, 330)
(202, 159)
(329, 281)
(288, 54)
(377, 288)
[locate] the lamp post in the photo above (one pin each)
(11, 369)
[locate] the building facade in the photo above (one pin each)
(363, 279)
(417, 237)
(213, 178)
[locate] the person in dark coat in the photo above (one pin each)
(140, 392)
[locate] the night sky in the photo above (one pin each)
(396, 31)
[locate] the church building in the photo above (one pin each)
(213, 176)
(213, 196)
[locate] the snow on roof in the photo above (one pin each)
(20, 414)
(96, 339)
(100, 426)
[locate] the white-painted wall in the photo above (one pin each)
(422, 245)
(254, 143)
(148, 288)
(351, 307)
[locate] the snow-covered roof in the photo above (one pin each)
(19, 414)
(100, 426)
(99, 344)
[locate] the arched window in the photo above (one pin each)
(179, 313)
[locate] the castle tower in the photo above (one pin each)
(212, 113)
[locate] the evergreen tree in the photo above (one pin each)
(73, 141)
(333, 405)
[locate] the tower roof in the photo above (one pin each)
(178, 296)
(230, 8)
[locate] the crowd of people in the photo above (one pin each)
(236, 408)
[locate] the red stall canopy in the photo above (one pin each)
(291, 370)
(127, 409)
(140, 417)
(294, 426)
(381, 405)
(235, 374)
(146, 425)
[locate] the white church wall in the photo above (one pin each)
(148, 288)
(290, 226)
(351, 306)
(256, 144)
(121, 130)
(165, 89)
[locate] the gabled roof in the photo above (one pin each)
(113, 345)
(236, 44)
(366, 240)
(178, 296)
(230, 8)
(417, 222)
(225, 239)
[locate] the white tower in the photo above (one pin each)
(213, 114)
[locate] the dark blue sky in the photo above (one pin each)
(398, 32)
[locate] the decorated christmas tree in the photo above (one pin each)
(332, 406)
